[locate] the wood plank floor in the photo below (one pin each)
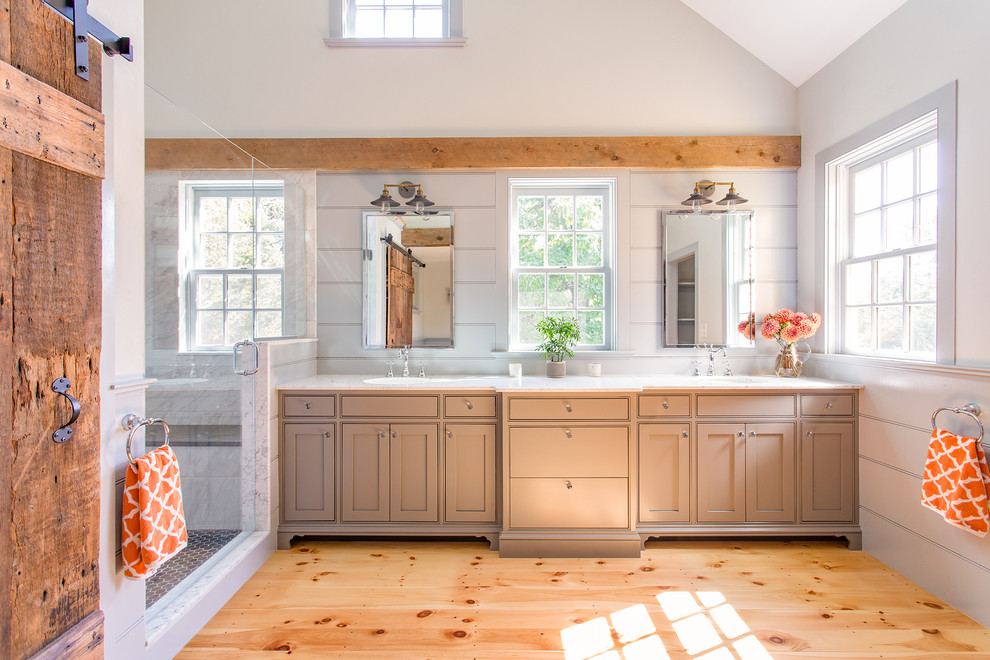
(700, 599)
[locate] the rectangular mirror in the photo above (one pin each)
(707, 277)
(408, 280)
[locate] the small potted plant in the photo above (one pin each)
(559, 336)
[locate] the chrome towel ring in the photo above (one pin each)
(132, 423)
(970, 410)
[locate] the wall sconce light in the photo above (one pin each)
(407, 190)
(703, 191)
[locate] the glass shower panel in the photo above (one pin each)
(224, 263)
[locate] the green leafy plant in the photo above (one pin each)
(559, 335)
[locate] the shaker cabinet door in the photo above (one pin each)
(469, 473)
(413, 458)
(828, 472)
(307, 472)
(665, 472)
(364, 472)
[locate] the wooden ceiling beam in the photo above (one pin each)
(418, 154)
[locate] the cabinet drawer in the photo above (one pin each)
(568, 408)
(662, 405)
(455, 405)
(297, 405)
(559, 503)
(352, 405)
(746, 405)
(826, 404)
(569, 452)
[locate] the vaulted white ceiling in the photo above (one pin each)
(796, 38)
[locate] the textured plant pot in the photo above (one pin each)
(556, 369)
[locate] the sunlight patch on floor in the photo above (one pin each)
(708, 627)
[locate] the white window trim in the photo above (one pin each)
(609, 247)
(454, 39)
(830, 171)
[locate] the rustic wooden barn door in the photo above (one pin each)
(51, 165)
(399, 307)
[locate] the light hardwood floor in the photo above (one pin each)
(687, 599)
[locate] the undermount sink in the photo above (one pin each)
(405, 380)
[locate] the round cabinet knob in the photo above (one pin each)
(666, 405)
(381, 434)
(470, 406)
(569, 433)
(828, 405)
(567, 406)
(308, 406)
(684, 433)
(752, 434)
(569, 484)
(740, 434)
(810, 434)
(395, 434)
(450, 434)
(327, 434)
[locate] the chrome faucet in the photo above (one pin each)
(404, 356)
(712, 352)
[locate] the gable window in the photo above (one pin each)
(395, 23)
(562, 246)
(234, 247)
(892, 225)
(395, 18)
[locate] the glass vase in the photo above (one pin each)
(788, 363)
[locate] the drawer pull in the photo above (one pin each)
(828, 405)
(470, 406)
(810, 434)
(568, 407)
(569, 433)
(568, 484)
(684, 433)
(666, 405)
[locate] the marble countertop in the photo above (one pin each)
(635, 383)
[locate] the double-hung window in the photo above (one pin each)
(235, 263)
(890, 216)
(562, 255)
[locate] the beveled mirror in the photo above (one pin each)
(707, 277)
(408, 280)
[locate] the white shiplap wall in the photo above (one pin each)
(479, 201)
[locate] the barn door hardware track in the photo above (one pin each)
(85, 25)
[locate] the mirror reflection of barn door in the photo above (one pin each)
(399, 304)
(51, 166)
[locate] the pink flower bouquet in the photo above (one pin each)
(788, 327)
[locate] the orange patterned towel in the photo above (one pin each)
(955, 481)
(154, 527)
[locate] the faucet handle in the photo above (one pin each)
(389, 374)
(422, 370)
(695, 367)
